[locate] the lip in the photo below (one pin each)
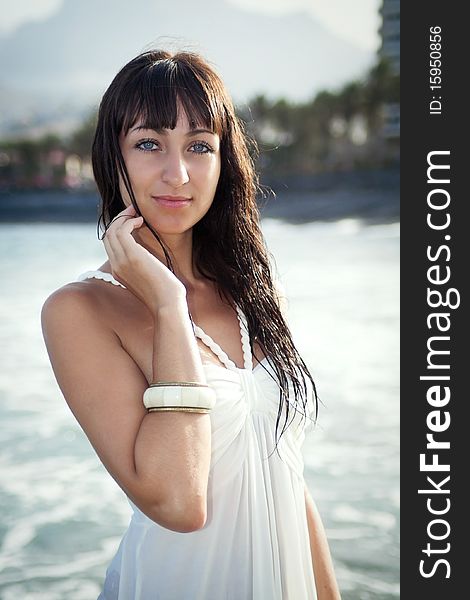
(172, 201)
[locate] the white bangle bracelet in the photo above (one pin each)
(179, 396)
(179, 409)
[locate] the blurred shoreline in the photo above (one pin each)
(372, 196)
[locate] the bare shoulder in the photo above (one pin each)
(79, 337)
(70, 303)
(81, 303)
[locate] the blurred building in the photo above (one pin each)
(390, 50)
(390, 33)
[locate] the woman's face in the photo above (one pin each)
(173, 172)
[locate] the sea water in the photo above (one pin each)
(62, 515)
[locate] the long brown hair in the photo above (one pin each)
(228, 244)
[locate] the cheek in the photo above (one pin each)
(204, 174)
(136, 179)
(214, 171)
(124, 193)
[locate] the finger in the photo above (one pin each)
(127, 227)
(120, 219)
(129, 211)
(113, 246)
(109, 250)
(124, 234)
(120, 241)
(109, 237)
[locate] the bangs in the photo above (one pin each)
(151, 98)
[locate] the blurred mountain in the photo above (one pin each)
(65, 62)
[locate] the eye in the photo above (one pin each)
(146, 145)
(201, 148)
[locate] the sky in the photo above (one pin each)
(354, 20)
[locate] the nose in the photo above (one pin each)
(175, 173)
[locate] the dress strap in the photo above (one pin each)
(100, 275)
(245, 337)
(216, 349)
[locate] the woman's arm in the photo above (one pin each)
(160, 460)
(325, 580)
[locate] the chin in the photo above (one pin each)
(170, 226)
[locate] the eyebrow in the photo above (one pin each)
(165, 131)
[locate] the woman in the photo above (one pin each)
(183, 370)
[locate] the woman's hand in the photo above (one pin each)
(135, 267)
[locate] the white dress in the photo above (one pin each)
(255, 543)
